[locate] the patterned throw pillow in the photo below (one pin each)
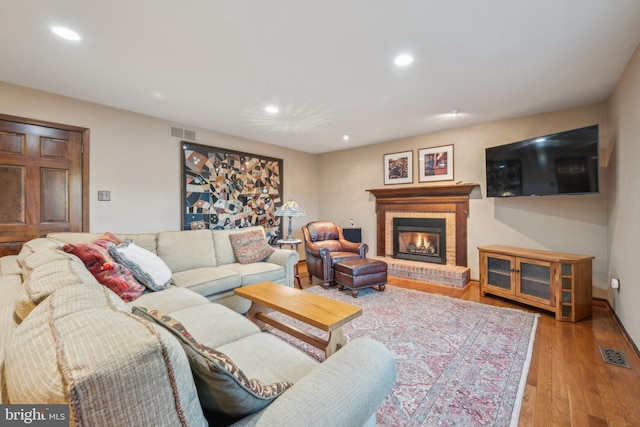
(250, 246)
(222, 386)
(146, 266)
(106, 270)
(106, 238)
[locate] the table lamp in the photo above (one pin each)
(290, 209)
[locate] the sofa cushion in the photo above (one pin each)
(34, 245)
(106, 270)
(84, 348)
(48, 278)
(40, 257)
(277, 361)
(148, 241)
(73, 237)
(108, 237)
(10, 288)
(9, 265)
(251, 246)
(185, 250)
(146, 266)
(222, 386)
(214, 324)
(170, 300)
(259, 272)
(208, 281)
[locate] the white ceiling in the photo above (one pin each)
(327, 64)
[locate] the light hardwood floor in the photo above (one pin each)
(568, 384)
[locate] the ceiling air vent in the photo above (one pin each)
(177, 132)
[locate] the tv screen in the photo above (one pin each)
(560, 163)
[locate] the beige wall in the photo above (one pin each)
(623, 230)
(574, 224)
(133, 156)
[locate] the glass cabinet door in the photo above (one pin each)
(499, 272)
(535, 280)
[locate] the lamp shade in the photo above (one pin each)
(290, 209)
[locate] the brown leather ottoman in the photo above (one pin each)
(360, 273)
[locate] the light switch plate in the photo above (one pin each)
(104, 196)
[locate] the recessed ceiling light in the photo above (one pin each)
(271, 109)
(346, 137)
(403, 60)
(455, 112)
(66, 33)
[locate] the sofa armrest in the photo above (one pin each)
(345, 390)
(288, 259)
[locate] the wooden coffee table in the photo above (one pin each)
(323, 313)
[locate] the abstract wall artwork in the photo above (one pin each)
(229, 189)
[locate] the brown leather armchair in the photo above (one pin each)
(325, 245)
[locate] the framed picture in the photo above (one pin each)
(398, 168)
(225, 188)
(435, 164)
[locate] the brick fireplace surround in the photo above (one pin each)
(450, 202)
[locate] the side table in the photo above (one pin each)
(293, 244)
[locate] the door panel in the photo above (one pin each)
(12, 195)
(12, 143)
(54, 195)
(43, 174)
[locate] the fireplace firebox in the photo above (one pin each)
(420, 239)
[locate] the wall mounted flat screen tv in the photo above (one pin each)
(560, 163)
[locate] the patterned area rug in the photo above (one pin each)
(459, 363)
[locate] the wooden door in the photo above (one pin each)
(43, 180)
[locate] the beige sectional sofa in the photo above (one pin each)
(180, 356)
(204, 262)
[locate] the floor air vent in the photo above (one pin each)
(614, 357)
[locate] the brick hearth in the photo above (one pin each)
(451, 275)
